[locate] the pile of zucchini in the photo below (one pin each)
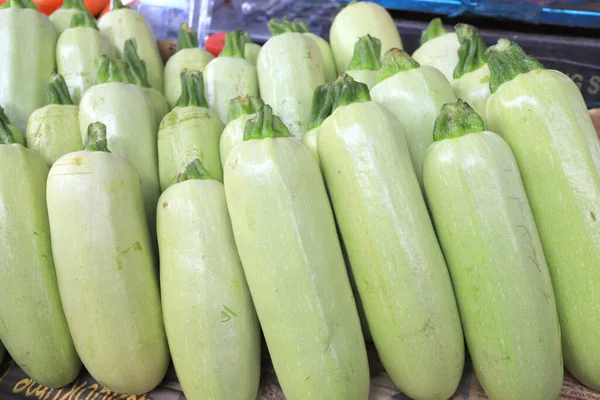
(310, 194)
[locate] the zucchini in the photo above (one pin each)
(230, 75)
(189, 131)
(289, 67)
(62, 17)
(439, 49)
(16, 133)
(33, 329)
(471, 75)
(189, 56)
(241, 109)
(213, 331)
(78, 53)
(105, 266)
(366, 60)
(53, 130)
(542, 116)
(126, 111)
(28, 48)
(396, 261)
(277, 27)
(356, 20)
(294, 264)
(121, 24)
(495, 257)
(251, 51)
(139, 76)
(415, 94)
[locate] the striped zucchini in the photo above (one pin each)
(495, 257)
(294, 264)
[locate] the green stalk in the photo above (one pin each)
(455, 120)
(112, 71)
(507, 60)
(116, 5)
(137, 67)
(321, 106)
(194, 170)
(187, 38)
(394, 61)
(6, 136)
(471, 53)
(19, 4)
(192, 89)
(435, 29)
(235, 42)
(244, 105)
(265, 125)
(95, 140)
(83, 20)
(74, 4)
(279, 26)
(3, 116)
(57, 91)
(367, 52)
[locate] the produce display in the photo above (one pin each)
(442, 206)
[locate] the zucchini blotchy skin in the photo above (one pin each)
(397, 263)
(211, 324)
(33, 328)
(288, 244)
(498, 268)
(543, 117)
(105, 268)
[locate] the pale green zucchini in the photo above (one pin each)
(131, 127)
(544, 119)
(439, 49)
(28, 51)
(78, 53)
(121, 24)
(188, 55)
(310, 141)
(33, 329)
(251, 51)
(394, 255)
(189, 131)
(415, 94)
(230, 75)
(471, 75)
(53, 130)
(211, 325)
(17, 134)
(62, 17)
(279, 26)
(241, 109)
(290, 68)
(356, 20)
(366, 60)
(105, 266)
(294, 264)
(139, 76)
(501, 280)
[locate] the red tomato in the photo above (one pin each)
(96, 6)
(47, 6)
(215, 43)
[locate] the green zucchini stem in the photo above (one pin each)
(455, 120)
(265, 125)
(194, 170)
(116, 5)
(394, 61)
(367, 53)
(3, 116)
(112, 71)
(83, 20)
(435, 29)
(57, 91)
(471, 53)
(187, 38)
(243, 105)
(102, 73)
(6, 136)
(137, 66)
(321, 106)
(279, 26)
(74, 4)
(95, 140)
(19, 4)
(235, 43)
(192, 89)
(507, 60)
